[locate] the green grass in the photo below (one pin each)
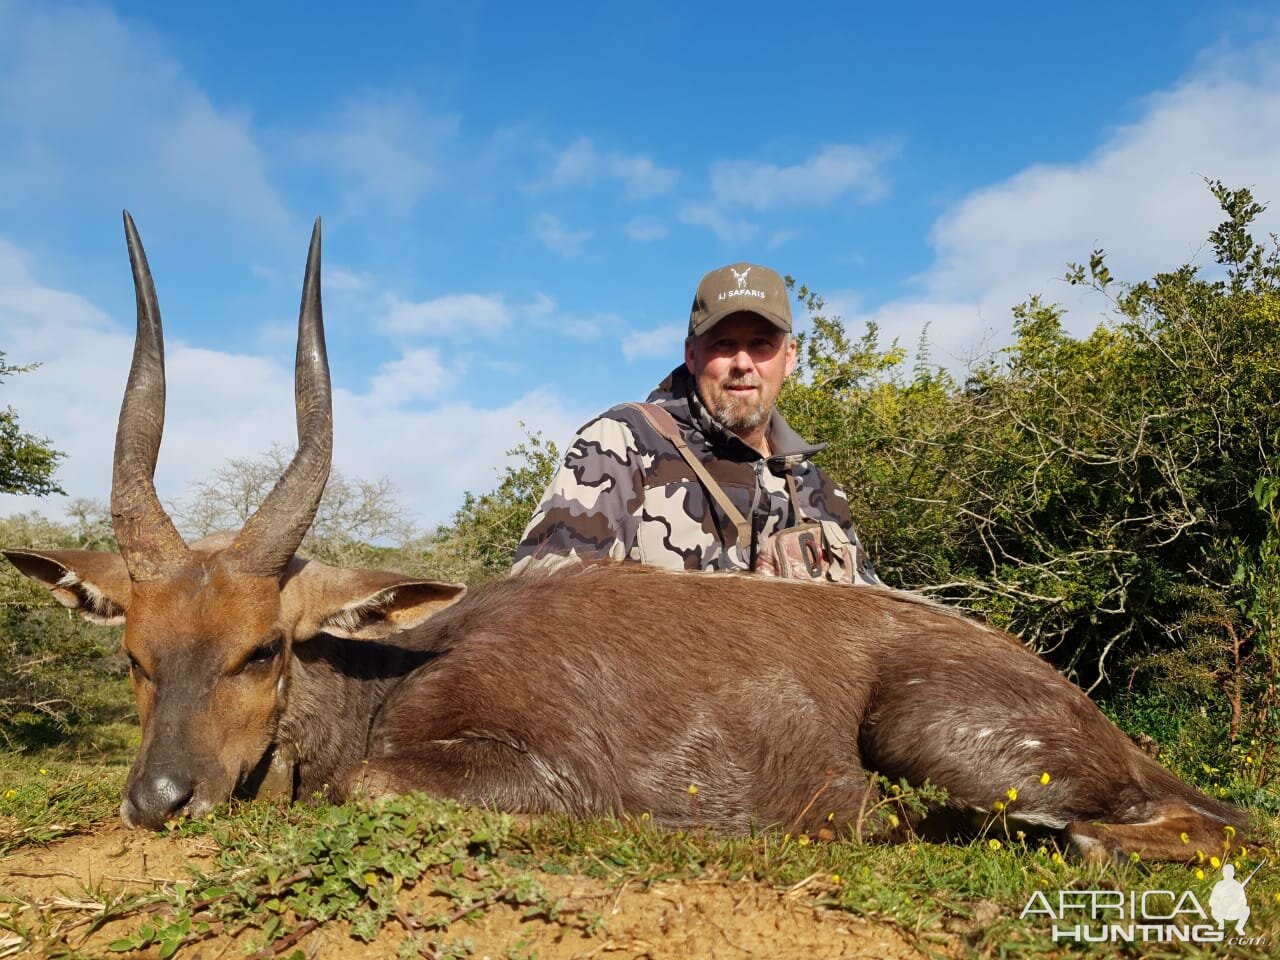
(46, 798)
(423, 867)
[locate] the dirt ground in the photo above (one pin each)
(697, 919)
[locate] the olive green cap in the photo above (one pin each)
(737, 288)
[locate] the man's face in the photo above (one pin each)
(739, 365)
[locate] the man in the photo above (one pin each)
(712, 490)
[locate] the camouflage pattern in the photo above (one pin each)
(625, 493)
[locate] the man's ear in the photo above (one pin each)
(359, 604)
(92, 582)
(791, 356)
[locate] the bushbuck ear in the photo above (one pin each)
(360, 604)
(93, 583)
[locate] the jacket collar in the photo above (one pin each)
(678, 394)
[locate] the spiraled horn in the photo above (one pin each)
(149, 543)
(270, 537)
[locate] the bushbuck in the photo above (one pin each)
(590, 689)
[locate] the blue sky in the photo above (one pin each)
(518, 199)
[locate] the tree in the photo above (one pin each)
(1082, 492)
(357, 522)
(27, 463)
(480, 544)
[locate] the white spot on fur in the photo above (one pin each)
(984, 732)
(914, 680)
(1028, 743)
(1038, 819)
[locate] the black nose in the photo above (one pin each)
(155, 797)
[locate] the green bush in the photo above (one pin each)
(58, 673)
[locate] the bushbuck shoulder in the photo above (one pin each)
(584, 690)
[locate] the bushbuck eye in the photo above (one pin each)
(262, 654)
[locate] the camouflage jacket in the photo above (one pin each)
(624, 492)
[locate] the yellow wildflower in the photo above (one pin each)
(1199, 874)
(1012, 794)
(1229, 830)
(1215, 862)
(803, 839)
(993, 843)
(835, 878)
(10, 794)
(692, 789)
(1056, 858)
(1183, 837)
(43, 771)
(1045, 778)
(998, 806)
(892, 821)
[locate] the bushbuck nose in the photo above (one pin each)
(158, 796)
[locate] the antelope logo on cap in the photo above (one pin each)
(740, 277)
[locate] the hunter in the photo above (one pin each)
(706, 475)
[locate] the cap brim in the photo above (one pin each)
(782, 323)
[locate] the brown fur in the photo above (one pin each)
(614, 689)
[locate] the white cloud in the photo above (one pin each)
(79, 83)
(348, 281)
(454, 314)
(1139, 195)
(223, 405)
(436, 456)
(387, 150)
(582, 165)
(646, 229)
(544, 313)
(664, 341)
(419, 374)
(558, 237)
(824, 177)
(726, 228)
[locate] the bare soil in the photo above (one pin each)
(48, 893)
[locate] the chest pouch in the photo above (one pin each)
(806, 550)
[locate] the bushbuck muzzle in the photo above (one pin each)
(579, 689)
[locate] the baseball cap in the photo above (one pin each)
(739, 287)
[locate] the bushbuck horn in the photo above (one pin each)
(149, 542)
(271, 536)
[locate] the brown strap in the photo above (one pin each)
(794, 494)
(665, 424)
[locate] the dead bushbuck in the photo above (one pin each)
(586, 690)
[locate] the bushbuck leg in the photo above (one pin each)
(1166, 831)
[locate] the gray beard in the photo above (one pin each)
(736, 417)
